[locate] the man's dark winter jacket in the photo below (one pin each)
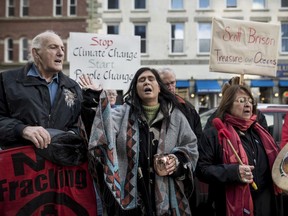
(25, 101)
(192, 116)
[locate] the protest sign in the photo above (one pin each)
(110, 60)
(31, 185)
(244, 47)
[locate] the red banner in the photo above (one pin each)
(31, 185)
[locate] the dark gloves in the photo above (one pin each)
(91, 98)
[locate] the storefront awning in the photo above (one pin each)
(207, 86)
(262, 83)
(182, 84)
(283, 83)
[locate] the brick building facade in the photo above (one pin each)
(19, 24)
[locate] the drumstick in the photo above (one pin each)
(224, 132)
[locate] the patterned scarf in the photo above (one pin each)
(238, 198)
(119, 158)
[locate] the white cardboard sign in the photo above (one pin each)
(110, 60)
(244, 47)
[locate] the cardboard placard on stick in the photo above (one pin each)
(244, 47)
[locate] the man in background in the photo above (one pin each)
(112, 96)
(169, 79)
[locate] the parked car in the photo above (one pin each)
(274, 114)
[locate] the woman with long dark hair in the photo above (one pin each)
(145, 147)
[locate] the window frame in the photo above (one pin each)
(284, 38)
(72, 5)
(263, 4)
(175, 39)
(117, 7)
(57, 7)
(114, 26)
(143, 40)
(140, 1)
(10, 8)
(204, 8)
(23, 51)
(9, 51)
(176, 8)
(24, 9)
(233, 5)
(284, 2)
(203, 38)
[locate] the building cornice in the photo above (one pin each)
(46, 19)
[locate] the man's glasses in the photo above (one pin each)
(244, 100)
(170, 83)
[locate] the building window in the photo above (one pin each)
(23, 55)
(113, 4)
(58, 7)
(284, 37)
(177, 38)
(204, 4)
(258, 4)
(140, 30)
(9, 50)
(284, 3)
(10, 8)
(204, 37)
(231, 3)
(177, 4)
(24, 8)
(72, 7)
(113, 29)
(140, 4)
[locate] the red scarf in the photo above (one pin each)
(238, 197)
